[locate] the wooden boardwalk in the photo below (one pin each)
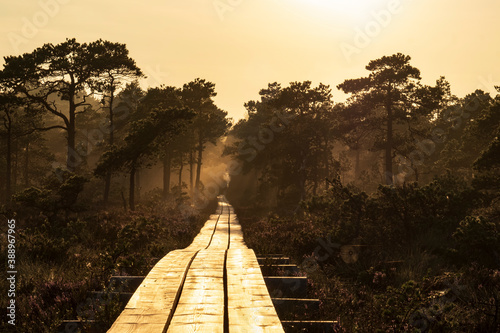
(213, 285)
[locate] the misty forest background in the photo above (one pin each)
(103, 176)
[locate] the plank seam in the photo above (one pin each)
(226, 292)
(226, 296)
(215, 227)
(179, 292)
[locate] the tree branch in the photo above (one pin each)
(51, 108)
(44, 129)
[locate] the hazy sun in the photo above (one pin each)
(351, 8)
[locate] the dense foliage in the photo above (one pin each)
(401, 259)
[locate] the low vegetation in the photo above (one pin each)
(404, 259)
(64, 252)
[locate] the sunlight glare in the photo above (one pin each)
(354, 9)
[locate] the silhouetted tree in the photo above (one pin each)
(391, 94)
(140, 144)
(210, 122)
(9, 107)
(67, 71)
(288, 137)
(163, 97)
(116, 68)
(469, 126)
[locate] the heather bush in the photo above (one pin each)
(397, 260)
(478, 240)
(63, 255)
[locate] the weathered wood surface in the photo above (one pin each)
(213, 285)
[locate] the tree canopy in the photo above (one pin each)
(392, 94)
(72, 72)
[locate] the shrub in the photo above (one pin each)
(478, 240)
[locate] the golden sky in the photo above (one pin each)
(242, 45)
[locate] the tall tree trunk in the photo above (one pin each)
(26, 165)
(8, 171)
(138, 184)
(107, 185)
(180, 172)
(191, 170)
(388, 147)
(111, 119)
(107, 180)
(132, 188)
(73, 159)
(199, 161)
(124, 201)
(327, 164)
(303, 177)
(167, 161)
(15, 164)
(357, 165)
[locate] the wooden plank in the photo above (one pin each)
(250, 308)
(203, 237)
(151, 305)
(236, 235)
(220, 240)
(201, 306)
